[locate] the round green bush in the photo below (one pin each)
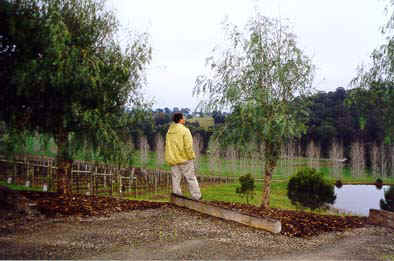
(379, 183)
(247, 187)
(309, 189)
(388, 202)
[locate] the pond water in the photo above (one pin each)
(358, 199)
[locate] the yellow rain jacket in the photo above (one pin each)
(179, 145)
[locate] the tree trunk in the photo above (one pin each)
(64, 163)
(271, 153)
(269, 168)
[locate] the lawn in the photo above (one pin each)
(19, 187)
(226, 192)
(284, 170)
(204, 122)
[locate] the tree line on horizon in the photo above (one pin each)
(333, 116)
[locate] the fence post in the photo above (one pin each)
(94, 182)
(156, 176)
(136, 184)
(32, 173)
(120, 186)
(52, 175)
(77, 181)
(27, 170)
(131, 179)
(48, 177)
(111, 180)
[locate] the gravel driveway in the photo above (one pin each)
(175, 233)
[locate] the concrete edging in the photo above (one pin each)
(268, 224)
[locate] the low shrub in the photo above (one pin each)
(338, 183)
(379, 183)
(309, 189)
(388, 202)
(247, 187)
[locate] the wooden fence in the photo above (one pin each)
(93, 178)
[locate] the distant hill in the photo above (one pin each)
(205, 122)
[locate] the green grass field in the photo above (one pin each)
(284, 169)
(226, 192)
(205, 122)
(19, 187)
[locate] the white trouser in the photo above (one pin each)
(186, 169)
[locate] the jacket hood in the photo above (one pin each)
(175, 128)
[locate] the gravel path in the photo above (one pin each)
(176, 233)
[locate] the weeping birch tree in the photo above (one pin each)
(260, 77)
(373, 84)
(64, 74)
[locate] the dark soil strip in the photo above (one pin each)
(294, 223)
(54, 204)
(299, 223)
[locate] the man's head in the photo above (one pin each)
(178, 118)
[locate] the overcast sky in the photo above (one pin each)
(338, 35)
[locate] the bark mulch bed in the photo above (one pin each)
(53, 204)
(294, 223)
(299, 223)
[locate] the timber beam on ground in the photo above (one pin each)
(265, 223)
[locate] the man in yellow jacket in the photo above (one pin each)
(179, 155)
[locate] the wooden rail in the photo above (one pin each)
(93, 178)
(266, 223)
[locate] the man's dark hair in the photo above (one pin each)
(177, 117)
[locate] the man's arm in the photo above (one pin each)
(188, 141)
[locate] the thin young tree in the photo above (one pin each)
(385, 159)
(231, 157)
(292, 156)
(144, 150)
(392, 158)
(374, 155)
(159, 149)
(313, 154)
(258, 78)
(283, 159)
(63, 73)
(214, 159)
(357, 158)
(197, 147)
(336, 157)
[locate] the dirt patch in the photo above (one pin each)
(162, 231)
(299, 223)
(53, 204)
(171, 233)
(294, 223)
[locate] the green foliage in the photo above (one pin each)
(19, 187)
(374, 83)
(309, 189)
(379, 183)
(66, 75)
(374, 102)
(247, 187)
(388, 202)
(259, 78)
